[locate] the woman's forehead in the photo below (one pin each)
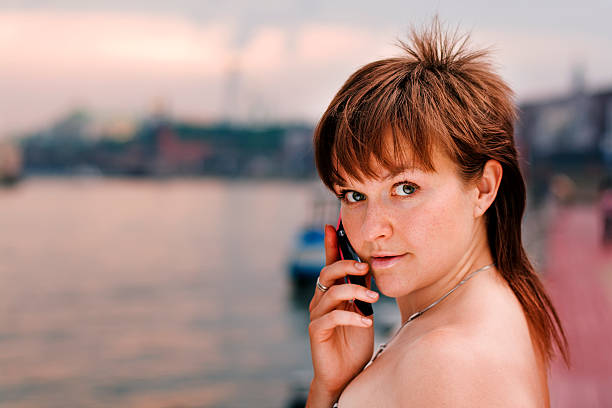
(379, 172)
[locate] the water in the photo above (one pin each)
(139, 293)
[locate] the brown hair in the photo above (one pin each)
(440, 94)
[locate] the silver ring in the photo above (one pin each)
(322, 287)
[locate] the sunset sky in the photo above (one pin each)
(264, 60)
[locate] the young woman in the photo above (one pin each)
(420, 151)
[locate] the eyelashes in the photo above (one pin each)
(353, 197)
(344, 193)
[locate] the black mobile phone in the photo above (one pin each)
(347, 252)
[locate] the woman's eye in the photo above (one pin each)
(404, 189)
(354, 196)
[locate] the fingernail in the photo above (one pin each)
(366, 321)
(361, 265)
(371, 294)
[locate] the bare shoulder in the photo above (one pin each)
(469, 356)
(446, 367)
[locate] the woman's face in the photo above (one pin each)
(413, 227)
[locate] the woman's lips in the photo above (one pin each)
(383, 262)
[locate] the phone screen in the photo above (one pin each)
(347, 252)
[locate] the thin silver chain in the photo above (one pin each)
(417, 314)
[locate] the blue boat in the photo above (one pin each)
(307, 256)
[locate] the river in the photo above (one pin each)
(146, 293)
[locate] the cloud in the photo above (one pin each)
(265, 52)
(542, 62)
(333, 43)
(126, 61)
(54, 44)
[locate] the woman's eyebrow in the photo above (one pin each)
(391, 175)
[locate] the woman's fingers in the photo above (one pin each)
(331, 245)
(320, 328)
(339, 294)
(332, 275)
(332, 253)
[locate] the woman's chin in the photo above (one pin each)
(388, 286)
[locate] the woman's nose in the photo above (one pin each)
(377, 223)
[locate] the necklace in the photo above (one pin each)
(420, 312)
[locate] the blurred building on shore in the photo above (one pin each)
(161, 146)
(569, 135)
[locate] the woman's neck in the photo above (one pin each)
(475, 257)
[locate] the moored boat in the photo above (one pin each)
(308, 254)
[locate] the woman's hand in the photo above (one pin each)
(341, 338)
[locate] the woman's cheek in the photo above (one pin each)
(435, 215)
(437, 229)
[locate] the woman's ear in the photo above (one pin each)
(487, 186)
